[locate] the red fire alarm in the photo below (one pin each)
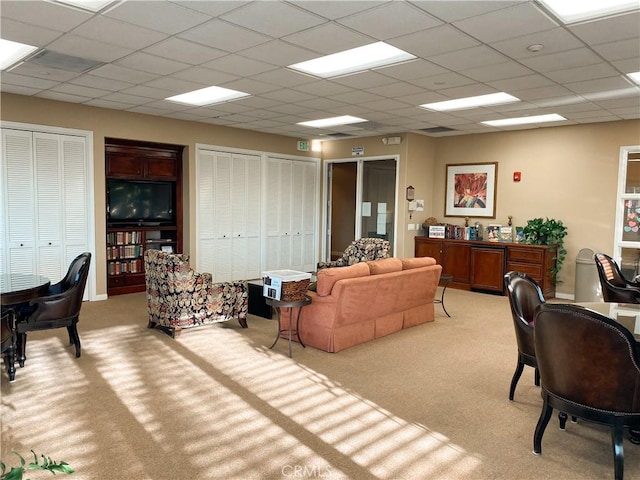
(516, 176)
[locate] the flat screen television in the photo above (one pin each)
(140, 203)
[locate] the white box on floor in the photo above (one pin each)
(286, 285)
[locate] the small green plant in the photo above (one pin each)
(17, 473)
(548, 231)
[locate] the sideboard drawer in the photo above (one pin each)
(534, 271)
(524, 254)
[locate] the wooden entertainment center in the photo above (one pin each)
(127, 241)
(481, 265)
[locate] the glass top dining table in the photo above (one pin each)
(18, 288)
(627, 314)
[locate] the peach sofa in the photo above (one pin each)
(368, 300)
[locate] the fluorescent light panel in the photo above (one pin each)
(13, 52)
(471, 102)
(579, 10)
(207, 96)
(354, 60)
(552, 117)
(90, 5)
(332, 122)
(635, 76)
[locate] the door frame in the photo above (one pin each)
(325, 252)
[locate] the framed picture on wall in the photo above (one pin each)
(471, 190)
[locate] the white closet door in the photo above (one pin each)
(75, 181)
(272, 214)
(254, 214)
(229, 202)
(296, 216)
(309, 216)
(49, 206)
(205, 220)
(19, 201)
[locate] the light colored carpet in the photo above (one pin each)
(429, 402)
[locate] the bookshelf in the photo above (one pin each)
(127, 243)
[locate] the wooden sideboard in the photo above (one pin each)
(479, 265)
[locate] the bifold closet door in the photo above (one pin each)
(228, 218)
(45, 216)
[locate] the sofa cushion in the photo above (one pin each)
(327, 277)
(386, 265)
(417, 262)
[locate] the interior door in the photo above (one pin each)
(360, 202)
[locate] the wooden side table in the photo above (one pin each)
(278, 305)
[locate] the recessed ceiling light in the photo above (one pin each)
(207, 96)
(552, 117)
(635, 76)
(471, 102)
(12, 52)
(536, 47)
(332, 122)
(354, 60)
(576, 11)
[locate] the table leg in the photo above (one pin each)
(444, 288)
(279, 330)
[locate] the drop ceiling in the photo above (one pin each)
(145, 51)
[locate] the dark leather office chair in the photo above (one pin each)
(615, 287)
(589, 368)
(525, 296)
(59, 308)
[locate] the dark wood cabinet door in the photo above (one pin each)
(455, 261)
(487, 268)
(123, 165)
(429, 248)
(165, 168)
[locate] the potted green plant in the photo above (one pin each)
(548, 231)
(17, 473)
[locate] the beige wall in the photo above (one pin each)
(568, 173)
(118, 124)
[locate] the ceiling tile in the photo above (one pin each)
(12, 78)
(554, 40)
(116, 32)
(562, 60)
(279, 53)
(101, 83)
(328, 38)
(167, 17)
(497, 72)
(25, 33)
(224, 36)
(451, 11)
(375, 22)
(272, 18)
(44, 14)
(238, 65)
(598, 70)
(124, 74)
(151, 63)
(205, 76)
(619, 27)
(507, 23)
(335, 10)
(89, 49)
(434, 41)
(184, 51)
(619, 50)
(469, 58)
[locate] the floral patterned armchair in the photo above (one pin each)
(361, 250)
(178, 297)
